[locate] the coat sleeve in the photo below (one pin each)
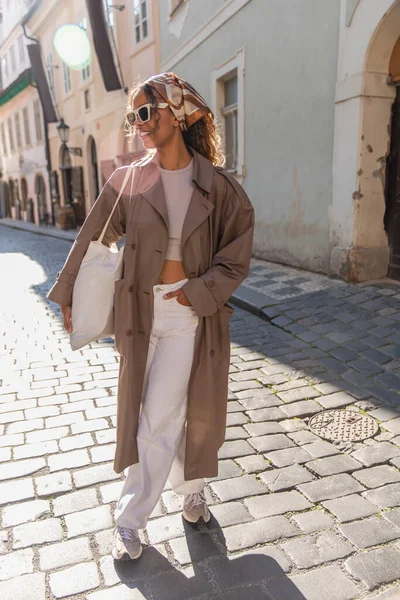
(231, 262)
(61, 292)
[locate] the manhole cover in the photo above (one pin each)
(343, 425)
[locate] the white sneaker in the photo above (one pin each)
(126, 542)
(195, 507)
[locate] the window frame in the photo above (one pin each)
(18, 131)
(10, 135)
(38, 120)
(4, 138)
(50, 76)
(86, 73)
(13, 59)
(219, 75)
(21, 50)
(26, 126)
(86, 93)
(67, 79)
(143, 38)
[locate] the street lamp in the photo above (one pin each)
(63, 131)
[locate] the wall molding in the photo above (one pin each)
(215, 22)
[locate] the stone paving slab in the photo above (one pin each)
(292, 513)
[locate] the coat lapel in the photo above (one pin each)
(198, 211)
(199, 207)
(155, 196)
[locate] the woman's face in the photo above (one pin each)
(160, 130)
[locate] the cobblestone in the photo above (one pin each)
(310, 551)
(75, 501)
(58, 415)
(276, 504)
(22, 513)
(375, 567)
(286, 478)
(76, 580)
(330, 487)
(33, 586)
(312, 521)
(64, 554)
(32, 534)
(16, 564)
(369, 532)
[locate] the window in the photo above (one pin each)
(10, 135)
(230, 114)
(109, 12)
(13, 62)
(67, 78)
(87, 99)
(86, 70)
(140, 20)
(27, 132)
(4, 66)
(3, 140)
(38, 120)
(18, 130)
(228, 105)
(21, 50)
(50, 76)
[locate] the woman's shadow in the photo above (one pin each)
(251, 575)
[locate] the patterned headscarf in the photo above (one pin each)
(186, 104)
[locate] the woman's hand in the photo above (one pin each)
(180, 297)
(66, 312)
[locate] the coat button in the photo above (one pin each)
(129, 332)
(212, 352)
(211, 284)
(130, 289)
(133, 246)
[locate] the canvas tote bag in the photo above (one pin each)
(93, 294)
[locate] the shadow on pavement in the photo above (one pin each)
(214, 575)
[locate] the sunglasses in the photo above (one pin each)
(143, 113)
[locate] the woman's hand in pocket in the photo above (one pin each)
(66, 313)
(180, 297)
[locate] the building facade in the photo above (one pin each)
(304, 92)
(24, 191)
(94, 113)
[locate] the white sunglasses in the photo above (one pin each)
(143, 113)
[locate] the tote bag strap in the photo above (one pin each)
(128, 172)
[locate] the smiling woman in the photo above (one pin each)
(189, 230)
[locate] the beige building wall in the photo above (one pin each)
(100, 125)
(24, 187)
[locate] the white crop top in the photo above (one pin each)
(178, 189)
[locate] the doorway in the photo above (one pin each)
(392, 192)
(40, 191)
(66, 173)
(24, 198)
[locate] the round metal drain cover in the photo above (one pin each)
(343, 425)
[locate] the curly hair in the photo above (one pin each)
(203, 136)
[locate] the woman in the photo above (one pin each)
(189, 230)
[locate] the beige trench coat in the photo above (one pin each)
(216, 249)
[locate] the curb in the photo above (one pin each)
(58, 234)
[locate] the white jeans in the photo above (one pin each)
(161, 432)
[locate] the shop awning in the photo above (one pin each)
(17, 86)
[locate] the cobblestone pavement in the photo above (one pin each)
(294, 516)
